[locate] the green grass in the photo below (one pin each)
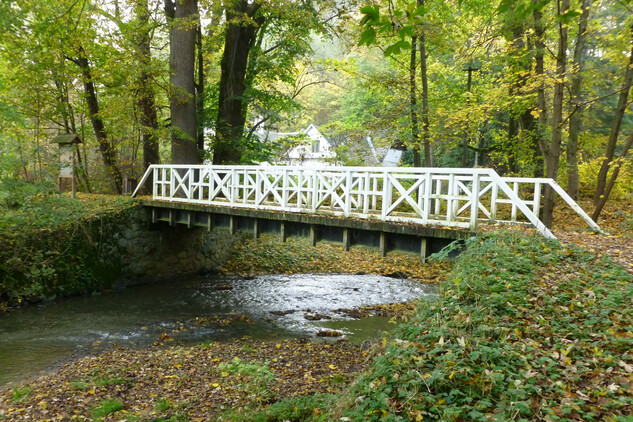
(19, 394)
(107, 407)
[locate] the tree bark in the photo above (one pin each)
(200, 87)
(105, 147)
(600, 195)
(552, 156)
(182, 95)
(541, 103)
(576, 102)
(146, 102)
(241, 34)
(413, 103)
(614, 176)
(426, 135)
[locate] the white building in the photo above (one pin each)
(311, 149)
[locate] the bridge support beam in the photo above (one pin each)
(346, 240)
(282, 232)
(231, 225)
(383, 244)
(256, 228)
(424, 249)
(313, 235)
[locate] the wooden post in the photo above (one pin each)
(424, 249)
(282, 232)
(383, 244)
(154, 218)
(256, 228)
(188, 219)
(209, 222)
(231, 225)
(171, 217)
(346, 239)
(313, 235)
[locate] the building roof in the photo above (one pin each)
(71, 138)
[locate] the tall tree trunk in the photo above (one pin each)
(107, 149)
(241, 33)
(552, 156)
(600, 197)
(516, 90)
(614, 176)
(182, 95)
(426, 135)
(575, 101)
(541, 103)
(146, 102)
(413, 104)
(200, 87)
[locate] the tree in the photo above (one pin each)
(603, 188)
(184, 21)
(575, 101)
(146, 101)
(241, 33)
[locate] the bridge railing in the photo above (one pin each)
(451, 197)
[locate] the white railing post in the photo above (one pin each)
(348, 191)
(428, 189)
(536, 207)
(315, 190)
(386, 194)
(474, 202)
(285, 185)
(493, 202)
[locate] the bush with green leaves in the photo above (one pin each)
(525, 329)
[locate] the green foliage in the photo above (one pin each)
(51, 245)
(256, 377)
(19, 394)
(296, 409)
(107, 407)
(507, 340)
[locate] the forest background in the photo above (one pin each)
(528, 87)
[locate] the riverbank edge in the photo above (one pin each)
(110, 250)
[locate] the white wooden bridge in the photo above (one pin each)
(457, 198)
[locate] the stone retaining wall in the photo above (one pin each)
(145, 252)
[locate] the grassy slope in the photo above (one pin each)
(524, 329)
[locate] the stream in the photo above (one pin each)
(192, 311)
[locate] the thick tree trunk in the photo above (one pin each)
(516, 90)
(426, 135)
(576, 100)
(600, 195)
(182, 96)
(241, 33)
(552, 156)
(105, 147)
(413, 104)
(146, 102)
(541, 103)
(200, 87)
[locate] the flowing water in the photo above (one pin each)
(194, 310)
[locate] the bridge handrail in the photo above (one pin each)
(432, 196)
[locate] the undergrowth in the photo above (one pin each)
(50, 244)
(524, 329)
